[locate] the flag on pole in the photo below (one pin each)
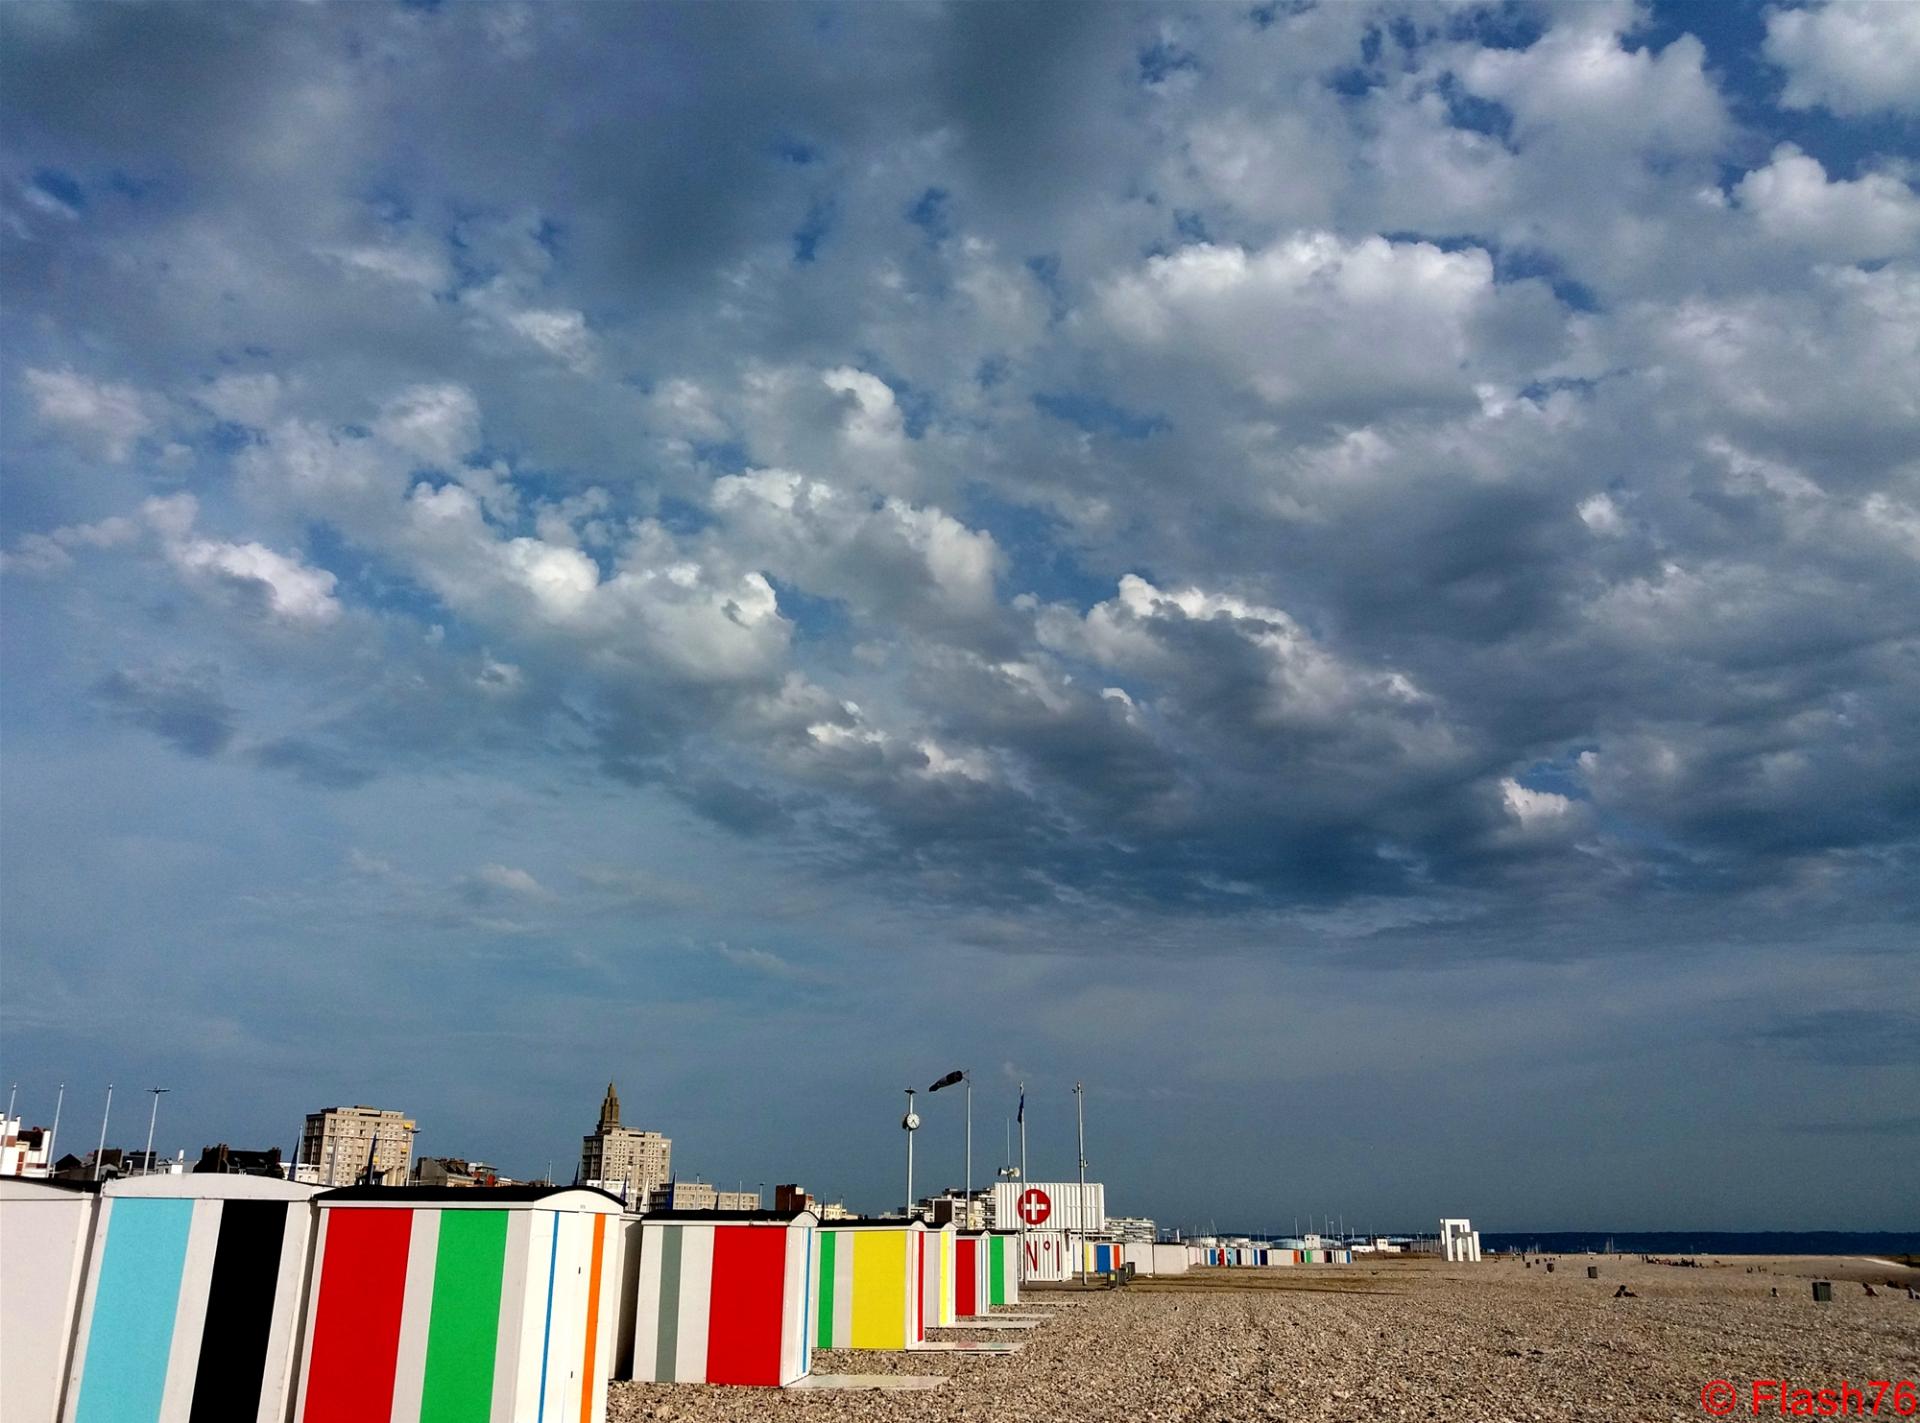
(947, 1081)
(1021, 1115)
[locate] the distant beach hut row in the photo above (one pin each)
(1262, 1256)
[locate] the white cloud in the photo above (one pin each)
(1876, 215)
(1579, 86)
(1895, 519)
(294, 592)
(1851, 57)
(684, 407)
(1303, 684)
(561, 334)
(107, 416)
(244, 399)
(439, 425)
(409, 264)
(1599, 513)
(872, 417)
(1535, 810)
(51, 552)
(761, 961)
(510, 880)
(877, 554)
(1389, 324)
(660, 610)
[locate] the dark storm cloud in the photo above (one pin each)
(182, 705)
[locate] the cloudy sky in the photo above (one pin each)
(1349, 575)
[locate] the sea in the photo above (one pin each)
(1707, 1242)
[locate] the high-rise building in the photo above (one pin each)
(621, 1157)
(342, 1146)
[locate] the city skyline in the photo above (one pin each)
(1347, 576)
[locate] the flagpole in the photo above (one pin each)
(1020, 1195)
(53, 1136)
(153, 1119)
(1080, 1111)
(969, 1082)
(102, 1149)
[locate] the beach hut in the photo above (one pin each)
(1169, 1259)
(936, 1276)
(867, 1284)
(627, 1228)
(722, 1297)
(1003, 1267)
(191, 1302)
(970, 1288)
(1047, 1255)
(46, 1233)
(486, 1305)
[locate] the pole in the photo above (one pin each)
(1080, 1111)
(969, 1081)
(909, 1121)
(11, 1093)
(102, 1149)
(53, 1136)
(152, 1117)
(1021, 1193)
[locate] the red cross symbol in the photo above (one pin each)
(1034, 1205)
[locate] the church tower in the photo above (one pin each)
(610, 1109)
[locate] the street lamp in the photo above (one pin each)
(152, 1118)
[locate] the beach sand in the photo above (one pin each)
(1392, 1339)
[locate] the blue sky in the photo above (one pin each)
(1347, 575)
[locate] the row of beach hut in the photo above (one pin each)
(1261, 1255)
(220, 1299)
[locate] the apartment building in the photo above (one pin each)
(341, 1146)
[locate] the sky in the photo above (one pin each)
(1345, 575)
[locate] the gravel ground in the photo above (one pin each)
(1398, 1340)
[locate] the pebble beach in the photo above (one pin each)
(1391, 1339)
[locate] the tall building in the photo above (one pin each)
(621, 1157)
(340, 1145)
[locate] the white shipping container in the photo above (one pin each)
(1049, 1205)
